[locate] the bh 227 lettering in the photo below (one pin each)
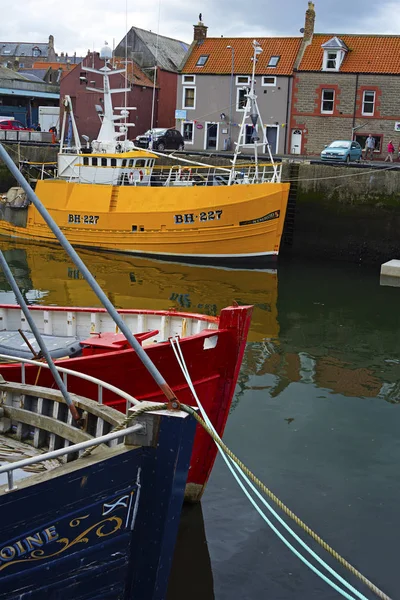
(211, 215)
(85, 219)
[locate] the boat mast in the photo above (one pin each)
(252, 112)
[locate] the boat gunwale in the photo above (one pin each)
(129, 311)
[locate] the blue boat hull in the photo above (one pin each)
(103, 531)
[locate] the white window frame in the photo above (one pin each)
(192, 82)
(328, 112)
(338, 60)
(238, 90)
(277, 137)
(182, 129)
(184, 107)
(278, 57)
(206, 124)
(247, 82)
(268, 84)
(368, 114)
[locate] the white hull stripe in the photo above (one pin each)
(154, 253)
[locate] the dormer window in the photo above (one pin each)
(334, 52)
(36, 52)
(331, 61)
(202, 61)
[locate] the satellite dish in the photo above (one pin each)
(302, 30)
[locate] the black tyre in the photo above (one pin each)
(348, 158)
(181, 147)
(161, 146)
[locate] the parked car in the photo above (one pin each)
(342, 151)
(163, 139)
(11, 123)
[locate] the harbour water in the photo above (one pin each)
(315, 416)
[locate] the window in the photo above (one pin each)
(85, 161)
(189, 97)
(140, 163)
(361, 139)
(94, 162)
(327, 101)
(103, 162)
(331, 61)
(202, 61)
(36, 52)
(269, 81)
(273, 61)
(113, 162)
(242, 79)
(187, 132)
(241, 99)
(368, 106)
(189, 79)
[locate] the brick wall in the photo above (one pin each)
(320, 129)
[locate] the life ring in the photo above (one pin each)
(135, 176)
(186, 174)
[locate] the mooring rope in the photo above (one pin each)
(209, 428)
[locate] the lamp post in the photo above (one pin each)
(231, 95)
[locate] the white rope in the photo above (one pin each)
(181, 361)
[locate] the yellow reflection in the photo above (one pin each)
(48, 276)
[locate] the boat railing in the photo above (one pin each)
(41, 414)
(101, 385)
(78, 448)
(178, 175)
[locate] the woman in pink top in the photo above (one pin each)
(390, 149)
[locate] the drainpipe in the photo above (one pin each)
(289, 92)
(355, 108)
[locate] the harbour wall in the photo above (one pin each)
(344, 213)
(43, 153)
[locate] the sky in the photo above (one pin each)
(79, 25)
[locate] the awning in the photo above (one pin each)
(31, 93)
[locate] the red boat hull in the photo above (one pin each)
(214, 372)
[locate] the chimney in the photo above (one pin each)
(310, 22)
(200, 31)
(51, 53)
(308, 33)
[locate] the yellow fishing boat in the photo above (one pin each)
(110, 195)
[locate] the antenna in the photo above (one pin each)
(126, 64)
(155, 67)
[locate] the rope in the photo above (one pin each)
(127, 422)
(283, 507)
(243, 470)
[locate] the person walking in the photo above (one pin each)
(370, 147)
(390, 149)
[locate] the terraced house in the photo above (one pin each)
(212, 87)
(345, 86)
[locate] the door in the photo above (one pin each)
(295, 146)
(354, 152)
(272, 137)
(211, 136)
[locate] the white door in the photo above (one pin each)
(295, 146)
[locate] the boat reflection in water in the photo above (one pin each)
(47, 276)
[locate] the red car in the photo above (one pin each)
(7, 123)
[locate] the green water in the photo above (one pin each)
(316, 413)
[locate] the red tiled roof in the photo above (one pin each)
(135, 74)
(54, 65)
(367, 53)
(220, 57)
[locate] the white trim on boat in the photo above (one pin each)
(216, 256)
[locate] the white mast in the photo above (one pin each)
(106, 139)
(252, 112)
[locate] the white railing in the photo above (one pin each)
(21, 464)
